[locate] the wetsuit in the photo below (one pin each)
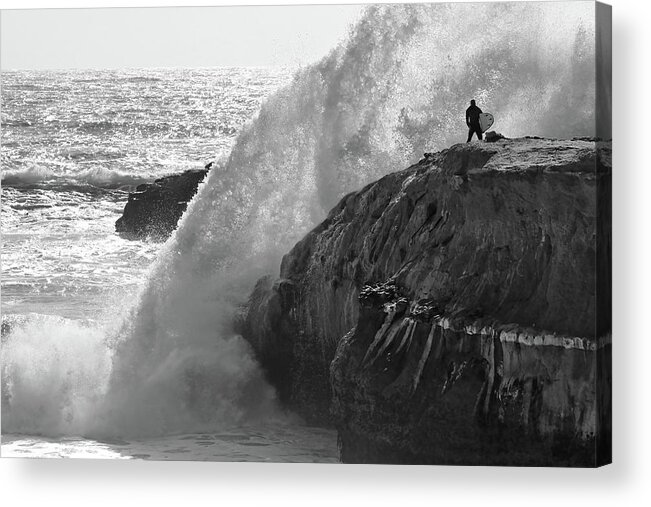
(472, 120)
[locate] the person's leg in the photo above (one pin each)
(470, 131)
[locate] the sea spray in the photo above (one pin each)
(54, 372)
(397, 88)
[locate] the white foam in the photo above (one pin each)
(54, 372)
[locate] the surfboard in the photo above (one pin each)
(486, 120)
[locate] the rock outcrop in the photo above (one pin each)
(456, 312)
(154, 209)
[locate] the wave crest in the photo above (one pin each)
(95, 177)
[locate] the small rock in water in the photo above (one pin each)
(154, 209)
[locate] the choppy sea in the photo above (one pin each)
(73, 144)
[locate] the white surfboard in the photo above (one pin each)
(486, 120)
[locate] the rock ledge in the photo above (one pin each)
(455, 312)
(154, 209)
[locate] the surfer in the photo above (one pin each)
(472, 120)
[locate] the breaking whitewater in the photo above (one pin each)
(117, 348)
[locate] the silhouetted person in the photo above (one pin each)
(472, 120)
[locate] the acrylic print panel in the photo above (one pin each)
(259, 234)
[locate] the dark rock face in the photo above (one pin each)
(411, 386)
(154, 209)
(447, 313)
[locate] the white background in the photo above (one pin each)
(627, 482)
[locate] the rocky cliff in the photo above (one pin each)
(452, 312)
(154, 209)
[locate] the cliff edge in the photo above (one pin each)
(455, 312)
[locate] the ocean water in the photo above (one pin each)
(74, 143)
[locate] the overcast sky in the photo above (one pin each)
(171, 37)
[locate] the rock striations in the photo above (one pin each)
(455, 312)
(154, 209)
